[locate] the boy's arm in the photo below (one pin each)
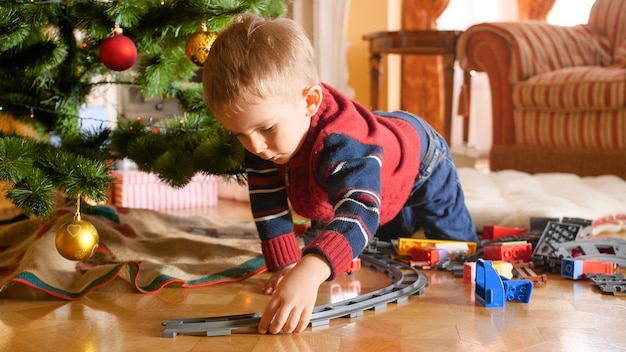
(272, 216)
(351, 174)
(292, 303)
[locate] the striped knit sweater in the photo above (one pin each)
(353, 173)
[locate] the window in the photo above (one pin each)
(570, 12)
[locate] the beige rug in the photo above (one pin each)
(511, 198)
(148, 249)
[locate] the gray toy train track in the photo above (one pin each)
(405, 281)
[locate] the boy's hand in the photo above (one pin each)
(294, 297)
(274, 280)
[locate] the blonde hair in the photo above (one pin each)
(255, 58)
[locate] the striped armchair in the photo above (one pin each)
(558, 93)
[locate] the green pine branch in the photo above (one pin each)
(36, 170)
(49, 64)
(50, 59)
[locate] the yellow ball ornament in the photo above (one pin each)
(77, 239)
(198, 46)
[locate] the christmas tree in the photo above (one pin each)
(54, 53)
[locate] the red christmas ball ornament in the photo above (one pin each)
(118, 52)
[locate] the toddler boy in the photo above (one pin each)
(353, 172)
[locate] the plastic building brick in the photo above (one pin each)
(376, 246)
(489, 290)
(508, 251)
(554, 234)
(494, 233)
(469, 272)
(614, 284)
(526, 272)
(517, 290)
(539, 223)
(300, 226)
(406, 244)
(601, 278)
(574, 268)
(504, 269)
(455, 267)
(355, 266)
(492, 290)
(457, 270)
(405, 281)
(430, 255)
(608, 249)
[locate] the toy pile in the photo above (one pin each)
(503, 264)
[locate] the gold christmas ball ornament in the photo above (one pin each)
(198, 46)
(77, 239)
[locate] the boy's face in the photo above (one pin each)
(271, 128)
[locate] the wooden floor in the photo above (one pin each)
(564, 315)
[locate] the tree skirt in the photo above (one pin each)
(148, 249)
(151, 250)
(511, 198)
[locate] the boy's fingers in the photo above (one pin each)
(277, 323)
(268, 290)
(304, 322)
(263, 324)
(291, 323)
(267, 318)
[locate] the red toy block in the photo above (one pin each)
(576, 269)
(494, 233)
(594, 266)
(469, 272)
(509, 251)
(300, 226)
(428, 254)
(355, 266)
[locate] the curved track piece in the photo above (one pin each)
(405, 281)
(611, 250)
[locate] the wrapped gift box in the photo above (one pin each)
(230, 189)
(137, 189)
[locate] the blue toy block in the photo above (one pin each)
(493, 290)
(489, 289)
(572, 268)
(517, 290)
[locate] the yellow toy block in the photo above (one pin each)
(406, 244)
(503, 268)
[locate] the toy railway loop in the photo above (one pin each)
(405, 281)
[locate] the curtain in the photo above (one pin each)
(534, 9)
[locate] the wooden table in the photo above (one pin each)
(415, 42)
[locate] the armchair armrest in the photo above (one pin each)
(510, 52)
(538, 47)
